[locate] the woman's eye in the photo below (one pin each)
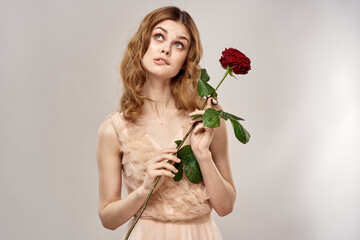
(158, 37)
(179, 45)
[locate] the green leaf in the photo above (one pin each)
(211, 118)
(184, 151)
(204, 75)
(191, 168)
(178, 142)
(232, 74)
(178, 175)
(227, 116)
(240, 132)
(192, 171)
(204, 89)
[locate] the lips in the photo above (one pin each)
(161, 61)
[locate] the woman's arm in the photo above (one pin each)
(210, 147)
(114, 211)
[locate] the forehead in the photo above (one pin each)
(173, 27)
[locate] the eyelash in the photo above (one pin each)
(160, 35)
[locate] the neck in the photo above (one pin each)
(162, 100)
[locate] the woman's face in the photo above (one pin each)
(167, 51)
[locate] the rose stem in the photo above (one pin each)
(228, 70)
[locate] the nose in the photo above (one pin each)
(166, 50)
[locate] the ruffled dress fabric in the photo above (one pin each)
(193, 230)
(177, 210)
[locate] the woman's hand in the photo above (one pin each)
(159, 166)
(201, 137)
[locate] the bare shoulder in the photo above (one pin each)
(106, 129)
(107, 135)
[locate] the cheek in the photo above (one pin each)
(150, 49)
(181, 60)
(153, 46)
(149, 52)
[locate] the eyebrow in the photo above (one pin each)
(179, 36)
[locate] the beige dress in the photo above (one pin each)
(177, 210)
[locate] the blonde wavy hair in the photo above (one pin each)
(134, 75)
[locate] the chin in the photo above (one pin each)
(162, 75)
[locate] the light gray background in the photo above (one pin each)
(298, 177)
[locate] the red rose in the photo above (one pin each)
(235, 59)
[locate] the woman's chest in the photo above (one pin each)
(164, 132)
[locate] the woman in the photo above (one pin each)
(159, 73)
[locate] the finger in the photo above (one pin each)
(173, 162)
(164, 165)
(214, 101)
(169, 150)
(197, 112)
(194, 120)
(172, 158)
(162, 172)
(199, 128)
(208, 103)
(164, 157)
(161, 165)
(171, 168)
